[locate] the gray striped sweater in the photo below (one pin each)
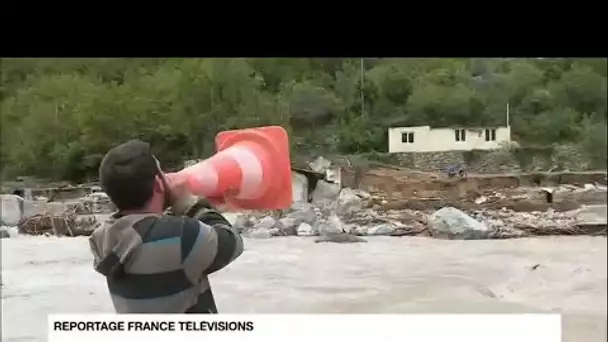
(160, 263)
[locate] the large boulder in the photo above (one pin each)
(330, 226)
(451, 223)
(325, 194)
(592, 219)
(4, 233)
(593, 214)
(12, 210)
(300, 187)
(348, 202)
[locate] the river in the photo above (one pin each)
(43, 275)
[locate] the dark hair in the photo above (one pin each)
(127, 174)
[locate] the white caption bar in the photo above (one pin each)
(308, 328)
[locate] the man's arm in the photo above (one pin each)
(210, 243)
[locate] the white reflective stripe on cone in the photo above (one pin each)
(207, 177)
(251, 169)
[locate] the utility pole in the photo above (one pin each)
(508, 123)
(361, 88)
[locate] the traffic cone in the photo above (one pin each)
(251, 170)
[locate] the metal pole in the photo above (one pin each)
(508, 124)
(361, 90)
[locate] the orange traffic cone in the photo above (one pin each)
(251, 170)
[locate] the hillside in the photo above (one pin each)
(59, 116)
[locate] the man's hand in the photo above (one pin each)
(178, 187)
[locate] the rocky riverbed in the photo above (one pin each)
(358, 213)
(335, 212)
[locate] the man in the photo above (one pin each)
(157, 263)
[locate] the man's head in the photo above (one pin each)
(132, 178)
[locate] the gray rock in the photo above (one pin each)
(300, 187)
(305, 229)
(361, 193)
(289, 222)
(4, 234)
(382, 229)
(290, 226)
(593, 214)
(341, 238)
(325, 194)
(267, 222)
(349, 228)
(359, 230)
(330, 226)
(320, 164)
(302, 213)
(451, 223)
(243, 222)
(348, 202)
(12, 210)
(276, 232)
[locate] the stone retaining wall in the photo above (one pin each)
(557, 158)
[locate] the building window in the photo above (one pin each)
(491, 134)
(460, 135)
(407, 137)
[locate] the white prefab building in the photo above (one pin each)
(427, 139)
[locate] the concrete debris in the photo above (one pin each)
(480, 200)
(97, 202)
(4, 233)
(340, 215)
(305, 229)
(300, 187)
(12, 210)
(320, 164)
(451, 223)
(64, 224)
(265, 223)
(290, 226)
(591, 214)
(589, 187)
(382, 229)
(359, 230)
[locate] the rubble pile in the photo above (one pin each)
(53, 218)
(357, 213)
(65, 224)
(97, 202)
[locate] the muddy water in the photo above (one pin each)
(387, 275)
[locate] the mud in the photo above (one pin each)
(295, 275)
